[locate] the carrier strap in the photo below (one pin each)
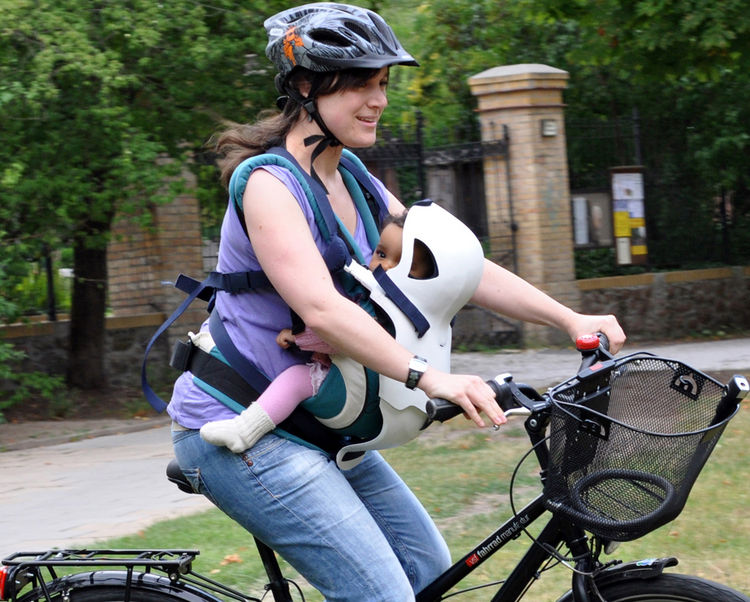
(212, 371)
(421, 324)
(156, 402)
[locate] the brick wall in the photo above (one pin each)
(142, 264)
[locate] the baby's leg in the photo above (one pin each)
(274, 405)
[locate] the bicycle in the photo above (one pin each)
(611, 472)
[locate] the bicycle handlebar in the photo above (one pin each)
(512, 396)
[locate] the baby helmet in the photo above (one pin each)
(421, 316)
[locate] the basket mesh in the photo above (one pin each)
(626, 450)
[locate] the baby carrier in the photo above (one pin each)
(355, 409)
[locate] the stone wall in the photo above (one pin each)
(671, 305)
(46, 346)
(650, 306)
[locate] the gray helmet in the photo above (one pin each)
(326, 36)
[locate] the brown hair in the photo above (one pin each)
(236, 142)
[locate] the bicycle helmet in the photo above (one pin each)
(327, 37)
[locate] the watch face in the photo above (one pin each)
(417, 367)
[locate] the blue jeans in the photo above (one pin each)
(358, 535)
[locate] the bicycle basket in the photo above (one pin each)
(626, 450)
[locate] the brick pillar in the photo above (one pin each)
(528, 100)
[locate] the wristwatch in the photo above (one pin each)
(417, 367)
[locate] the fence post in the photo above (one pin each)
(527, 99)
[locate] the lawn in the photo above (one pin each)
(461, 474)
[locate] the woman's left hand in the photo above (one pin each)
(583, 324)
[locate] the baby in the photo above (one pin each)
(300, 381)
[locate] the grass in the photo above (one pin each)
(461, 475)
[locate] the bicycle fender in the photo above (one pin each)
(648, 568)
(138, 581)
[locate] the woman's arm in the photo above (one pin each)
(504, 292)
(286, 250)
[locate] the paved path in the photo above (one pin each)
(77, 493)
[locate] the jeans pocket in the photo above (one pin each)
(193, 475)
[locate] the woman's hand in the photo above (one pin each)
(582, 324)
(472, 393)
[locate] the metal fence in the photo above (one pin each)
(692, 219)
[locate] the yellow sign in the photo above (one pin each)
(622, 224)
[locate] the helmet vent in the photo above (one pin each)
(329, 38)
(358, 30)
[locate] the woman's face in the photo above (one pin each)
(352, 115)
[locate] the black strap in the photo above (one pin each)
(249, 373)
(213, 372)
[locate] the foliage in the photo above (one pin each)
(17, 385)
(95, 96)
(31, 293)
(682, 65)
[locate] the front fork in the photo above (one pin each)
(575, 538)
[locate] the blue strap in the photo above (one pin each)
(421, 325)
(368, 221)
(157, 402)
(354, 165)
(250, 374)
(233, 282)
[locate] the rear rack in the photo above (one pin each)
(28, 568)
(169, 561)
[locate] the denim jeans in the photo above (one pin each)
(358, 535)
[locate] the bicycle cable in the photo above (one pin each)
(553, 552)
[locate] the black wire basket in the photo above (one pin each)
(627, 444)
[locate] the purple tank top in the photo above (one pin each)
(252, 319)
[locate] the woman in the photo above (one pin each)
(358, 534)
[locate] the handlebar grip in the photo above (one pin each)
(442, 409)
(603, 340)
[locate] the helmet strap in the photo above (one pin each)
(324, 140)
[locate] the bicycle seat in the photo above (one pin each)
(175, 475)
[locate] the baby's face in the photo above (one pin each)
(388, 252)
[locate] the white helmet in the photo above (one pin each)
(421, 321)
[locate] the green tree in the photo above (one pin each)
(685, 66)
(95, 96)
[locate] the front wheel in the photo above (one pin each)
(669, 588)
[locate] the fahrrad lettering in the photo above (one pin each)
(488, 548)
